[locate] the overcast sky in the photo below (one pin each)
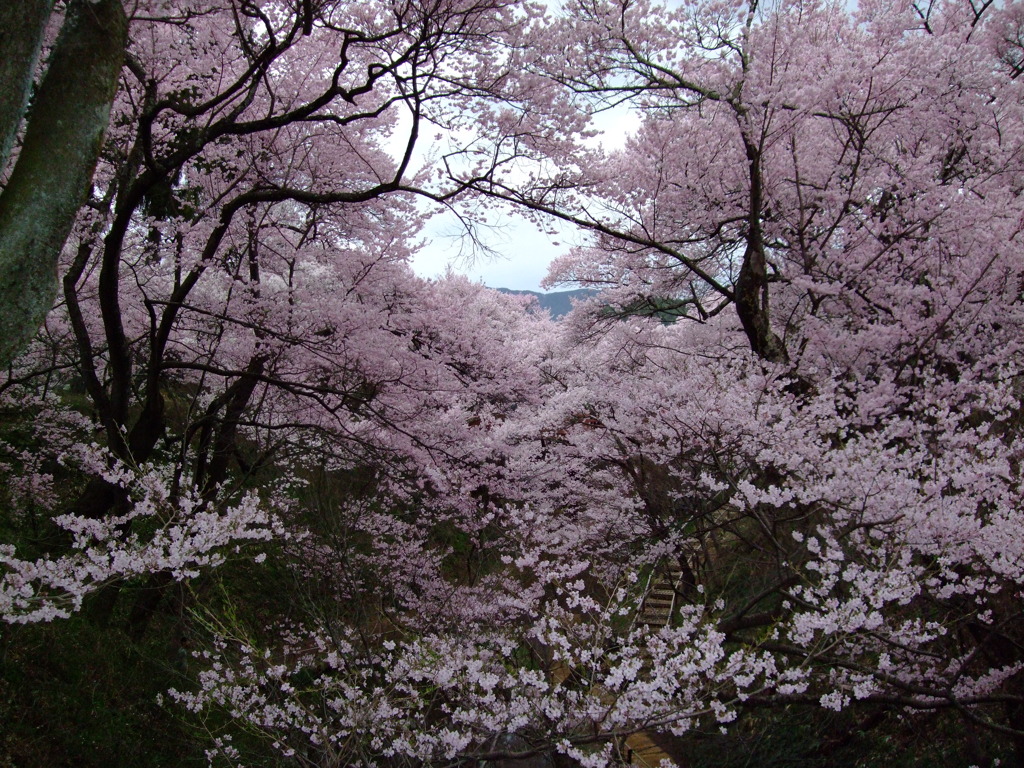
(520, 259)
(522, 251)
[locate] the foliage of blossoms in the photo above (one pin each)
(798, 395)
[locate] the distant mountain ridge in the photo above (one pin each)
(558, 303)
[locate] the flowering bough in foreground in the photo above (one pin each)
(331, 700)
(185, 536)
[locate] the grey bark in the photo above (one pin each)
(53, 172)
(22, 25)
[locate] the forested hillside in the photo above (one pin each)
(556, 303)
(269, 498)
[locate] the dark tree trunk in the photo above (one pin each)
(62, 143)
(22, 25)
(751, 287)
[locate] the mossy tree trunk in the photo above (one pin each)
(22, 26)
(62, 140)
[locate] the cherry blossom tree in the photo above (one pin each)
(849, 185)
(860, 172)
(237, 275)
(474, 505)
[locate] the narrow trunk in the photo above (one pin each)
(210, 474)
(751, 288)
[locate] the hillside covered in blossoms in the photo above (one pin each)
(267, 498)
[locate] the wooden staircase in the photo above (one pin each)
(643, 752)
(660, 602)
(656, 611)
